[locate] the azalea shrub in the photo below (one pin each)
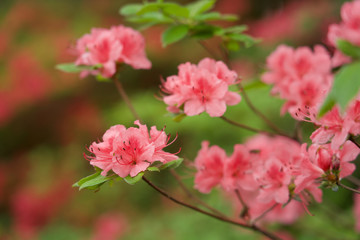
(267, 145)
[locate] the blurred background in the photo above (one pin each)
(48, 117)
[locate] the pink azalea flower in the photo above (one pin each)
(130, 151)
(201, 88)
(238, 171)
(108, 47)
(301, 77)
(332, 128)
(209, 164)
(349, 28)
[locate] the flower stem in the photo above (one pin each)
(348, 188)
(192, 196)
(264, 213)
(221, 218)
(240, 125)
(351, 138)
(257, 112)
(123, 94)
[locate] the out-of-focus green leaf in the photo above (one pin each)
(348, 48)
(172, 9)
(346, 86)
(102, 79)
(172, 164)
(72, 68)
(174, 34)
(130, 9)
(133, 180)
(246, 39)
(153, 169)
(236, 29)
(179, 117)
(200, 7)
(232, 45)
(211, 16)
(151, 17)
(205, 31)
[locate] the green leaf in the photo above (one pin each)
(102, 79)
(179, 117)
(130, 9)
(246, 39)
(200, 7)
(236, 29)
(229, 17)
(348, 48)
(153, 169)
(346, 86)
(133, 180)
(211, 16)
(150, 7)
(174, 34)
(151, 17)
(232, 45)
(95, 182)
(177, 10)
(205, 31)
(92, 182)
(172, 164)
(72, 68)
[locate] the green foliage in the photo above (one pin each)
(132, 180)
(92, 182)
(174, 34)
(172, 164)
(346, 86)
(187, 20)
(348, 49)
(72, 68)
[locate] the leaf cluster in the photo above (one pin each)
(193, 20)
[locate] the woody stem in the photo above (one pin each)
(221, 218)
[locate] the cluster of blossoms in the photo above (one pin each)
(301, 77)
(130, 151)
(201, 88)
(106, 48)
(268, 171)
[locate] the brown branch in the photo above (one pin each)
(192, 196)
(221, 218)
(240, 125)
(245, 211)
(264, 213)
(257, 112)
(351, 138)
(125, 97)
(348, 188)
(353, 180)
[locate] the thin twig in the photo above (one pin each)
(224, 219)
(123, 94)
(353, 180)
(207, 49)
(245, 210)
(257, 112)
(348, 188)
(264, 213)
(351, 138)
(240, 125)
(297, 132)
(192, 196)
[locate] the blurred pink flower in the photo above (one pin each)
(349, 28)
(109, 227)
(201, 88)
(33, 210)
(129, 151)
(108, 47)
(209, 163)
(301, 77)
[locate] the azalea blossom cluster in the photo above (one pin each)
(129, 151)
(273, 171)
(201, 88)
(300, 76)
(105, 48)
